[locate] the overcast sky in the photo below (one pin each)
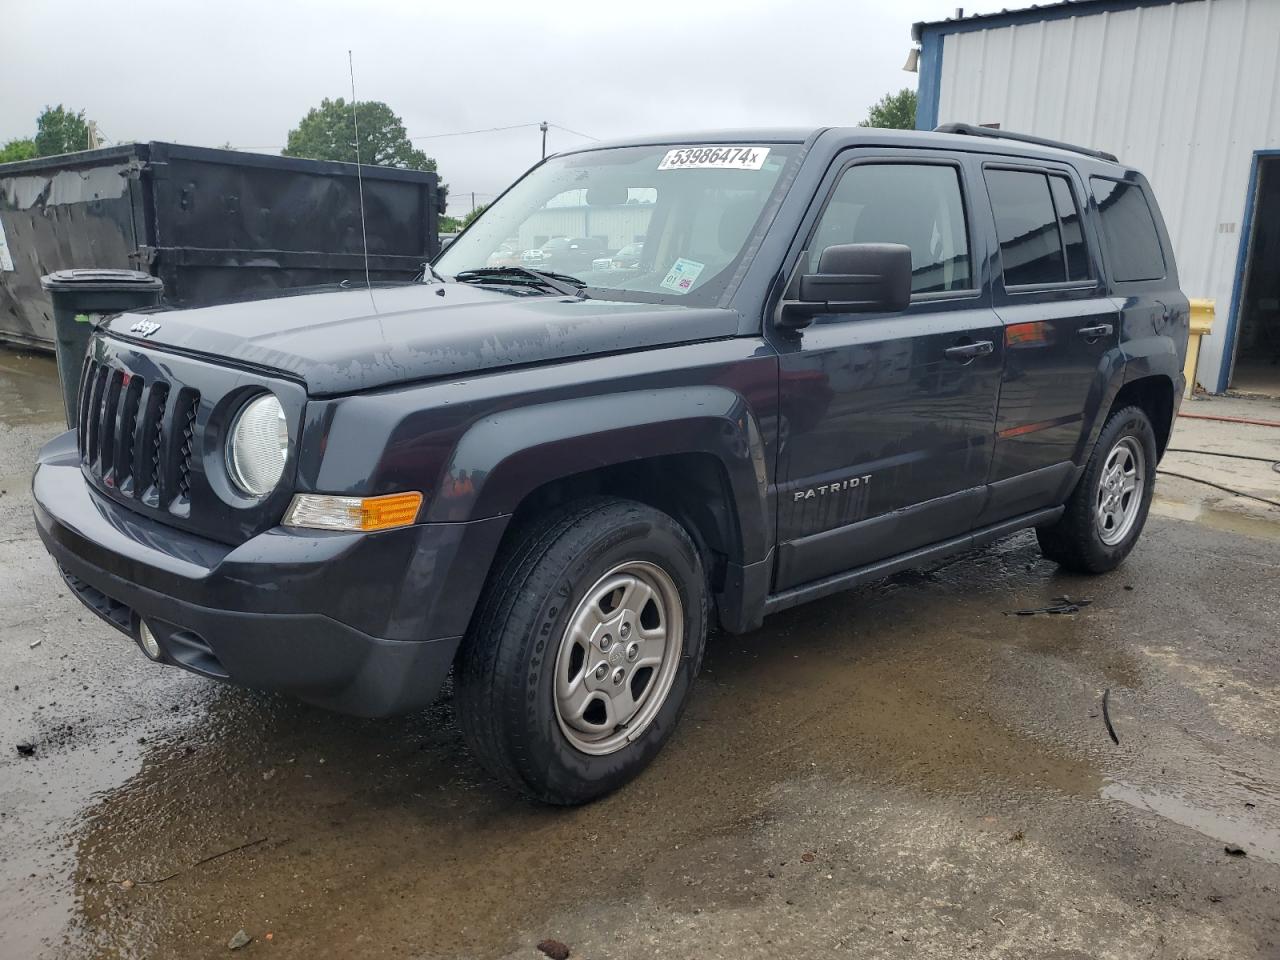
(209, 73)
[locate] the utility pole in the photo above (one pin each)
(543, 127)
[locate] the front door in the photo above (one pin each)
(1061, 336)
(888, 419)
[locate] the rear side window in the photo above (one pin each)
(1038, 225)
(918, 205)
(1133, 245)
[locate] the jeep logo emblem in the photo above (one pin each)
(144, 328)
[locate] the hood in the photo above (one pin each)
(345, 341)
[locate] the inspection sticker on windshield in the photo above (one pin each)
(714, 158)
(681, 275)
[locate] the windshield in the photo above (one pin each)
(658, 223)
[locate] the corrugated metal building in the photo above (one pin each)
(1185, 90)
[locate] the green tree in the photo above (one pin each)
(449, 224)
(470, 217)
(327, 132)
(893, 111)
(58, 130)
(20, 149)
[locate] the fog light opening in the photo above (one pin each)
(150, 645)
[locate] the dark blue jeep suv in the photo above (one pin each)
(838, 353)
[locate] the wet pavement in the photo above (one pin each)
(902, 771)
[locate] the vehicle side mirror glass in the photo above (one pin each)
(852, 278)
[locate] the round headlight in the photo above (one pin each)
(258, 446)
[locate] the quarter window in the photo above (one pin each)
(1064, 202)
(918, 205)
(1133, 245)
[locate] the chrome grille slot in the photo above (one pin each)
(92, 420)
(152, 441)
(143, 428)
(108, 416)
(185, 422)
(87, 378)
(130, 402)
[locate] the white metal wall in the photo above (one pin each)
(1185, 92)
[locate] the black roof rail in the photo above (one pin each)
(970, 130)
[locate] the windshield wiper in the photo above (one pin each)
(559, 282)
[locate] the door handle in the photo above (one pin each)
(964, 352)
(1096, 333)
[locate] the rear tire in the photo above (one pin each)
(1108, 508)
(583, 649)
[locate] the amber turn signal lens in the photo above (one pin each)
(393, 510)
(323, 512)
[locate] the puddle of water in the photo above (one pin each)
(29, 389)
(1256, 839)
(1263, 523)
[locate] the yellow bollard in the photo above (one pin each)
(1201, 324)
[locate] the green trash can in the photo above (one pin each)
(81, 298)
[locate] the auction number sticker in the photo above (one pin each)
(714, 158)
(682, 274)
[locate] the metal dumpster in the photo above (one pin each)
(214, 225)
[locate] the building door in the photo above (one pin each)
(1255, 353)
(888, 419)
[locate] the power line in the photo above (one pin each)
(468, 133)
(585, 136)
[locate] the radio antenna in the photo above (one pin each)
(355, 121)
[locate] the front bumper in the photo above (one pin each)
(361, 623)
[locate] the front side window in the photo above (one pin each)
(1133, 244)
(919, 205)
(653, 223)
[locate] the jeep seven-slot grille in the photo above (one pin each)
(137, 437)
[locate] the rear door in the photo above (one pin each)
(888, 418)
(1060, 334)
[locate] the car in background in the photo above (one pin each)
(628, 258)
(507, 255)
(536, 256)
(565, 254)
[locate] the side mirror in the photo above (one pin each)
(851, 278)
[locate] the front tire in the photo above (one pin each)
(583, 649)
(1108, 508)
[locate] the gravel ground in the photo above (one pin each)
(902, 771)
